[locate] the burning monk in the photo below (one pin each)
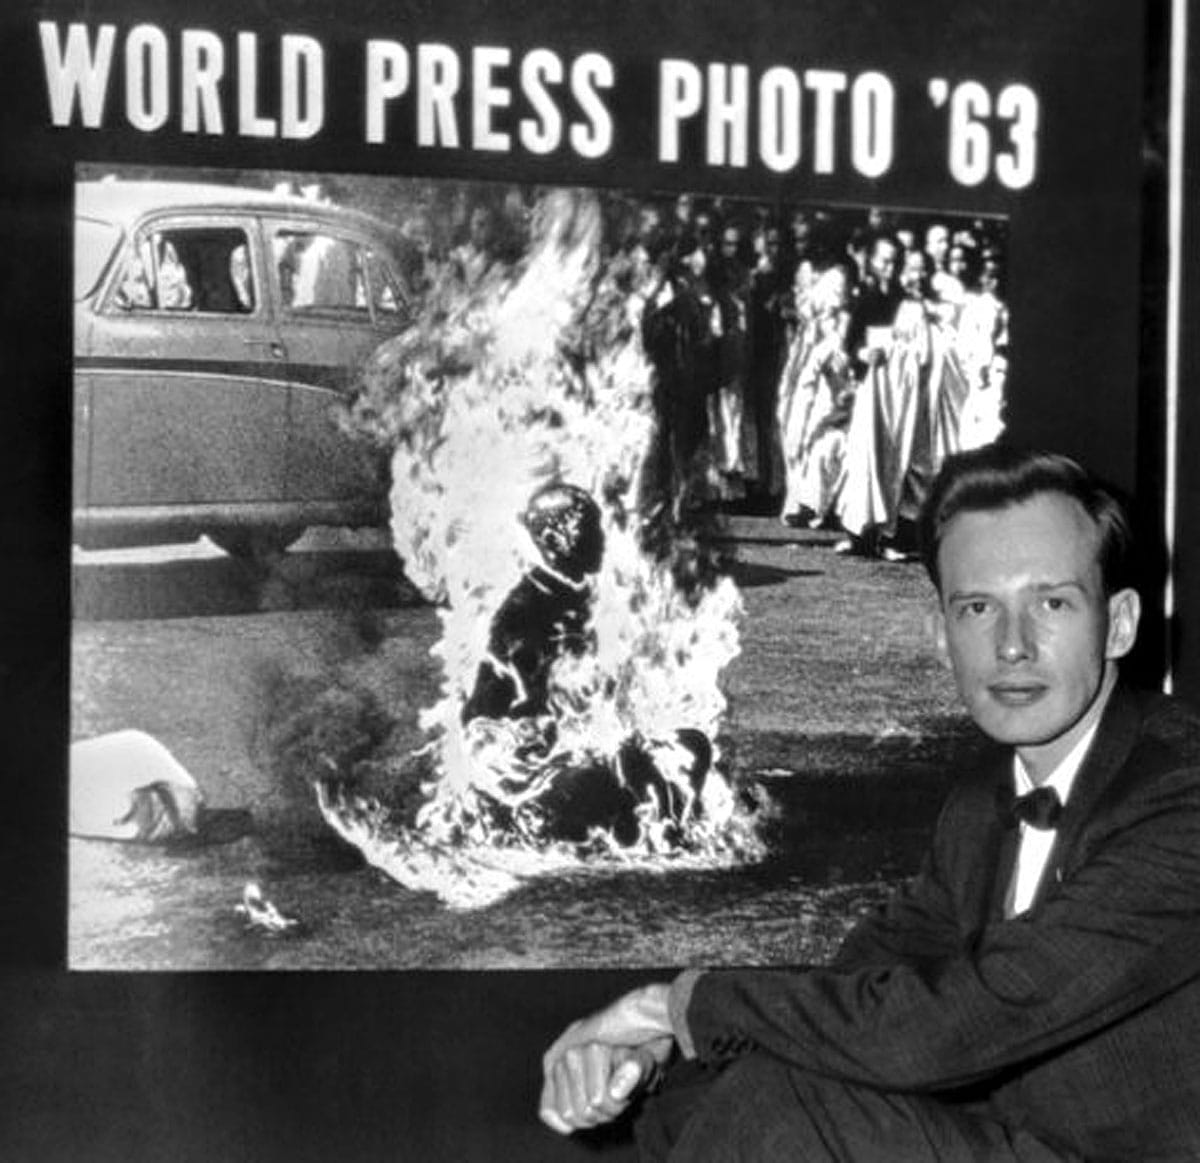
(558, 792)
(546, 613)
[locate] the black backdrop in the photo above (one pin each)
(445, 1066)
(1184, 310)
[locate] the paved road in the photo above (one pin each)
(838, 704)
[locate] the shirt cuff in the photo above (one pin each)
(678, 1000)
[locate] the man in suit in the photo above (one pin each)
(1034, 993)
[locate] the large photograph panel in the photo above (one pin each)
(544, 558)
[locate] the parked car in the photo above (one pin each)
(218, 330)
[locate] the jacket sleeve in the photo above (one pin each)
(920, 924)
(1121, 929)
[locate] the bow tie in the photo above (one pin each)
(1039, 808)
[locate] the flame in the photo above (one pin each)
(538, 374)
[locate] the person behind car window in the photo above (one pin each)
(241, 278)
(134, 291)
(327, 275)
(174, 289)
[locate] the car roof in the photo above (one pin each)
(122, 202)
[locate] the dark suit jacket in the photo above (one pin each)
(1080, 1019)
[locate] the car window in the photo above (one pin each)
(200, 269)
(321, 274)
(95, 242)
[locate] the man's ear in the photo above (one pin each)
(935, 626)
(1124, 613)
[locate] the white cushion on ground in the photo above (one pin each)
(112, 776)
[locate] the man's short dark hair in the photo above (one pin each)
(998, 476)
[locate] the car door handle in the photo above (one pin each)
(273, 345)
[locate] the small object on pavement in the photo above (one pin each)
(262, 913)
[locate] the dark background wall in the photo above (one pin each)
(445, 1066)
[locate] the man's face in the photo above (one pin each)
(1031, 636)
(883, 261)
(649, 221)
(418, 231)
(912, 274)
(937, 243)
(481, 227)
(832, 289)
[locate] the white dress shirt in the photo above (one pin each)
(1036, 843)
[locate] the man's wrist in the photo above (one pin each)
(679, 997)
(651, 1005)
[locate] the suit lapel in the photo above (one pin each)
(1115, 738)
(987, 858)
(1003, 864)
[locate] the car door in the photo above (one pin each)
(339, 297)
(97, 242)
(188, 400)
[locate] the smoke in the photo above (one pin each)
(313, 727)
